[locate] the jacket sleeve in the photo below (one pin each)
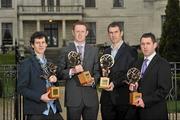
(63, 70)
(23, 83)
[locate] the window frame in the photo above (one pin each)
(90, 3)
(50, 30)
(6, 3)
(7, 27)
(118, 3)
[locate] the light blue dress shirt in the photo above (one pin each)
(50, 104)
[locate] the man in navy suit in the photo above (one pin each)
(115, 99)
(33, 88)
(155, 82)
(80, 100)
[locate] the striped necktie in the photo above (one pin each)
(80, 51)
(144, 66)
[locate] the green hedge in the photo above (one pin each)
(173, 105)
(7, 58)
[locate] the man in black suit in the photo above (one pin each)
(80, 100)
(155, 82)
(33, 87)
(115, 99)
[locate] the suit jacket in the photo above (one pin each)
(32, 86)
(74, 92)
(154, 86)
(124, 59)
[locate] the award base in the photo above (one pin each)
(104, 82)
(134, 96)
(84, 77)
(54, 92)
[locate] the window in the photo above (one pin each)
(43, 5)
(50, 4)
(118, 3)
(51, 30)
(6, 3)
(90, 3)
(57, 5)
(7, 38)
(91, 38)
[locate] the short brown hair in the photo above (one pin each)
(149, 35)
(114, 24)
(80, 23)
(37, 34)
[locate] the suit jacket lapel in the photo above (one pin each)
(72, 47)
(119, 53)
(86, 53)
(36, 64)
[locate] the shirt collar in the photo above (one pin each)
(150, 57)
(118, 45)
(77, 44)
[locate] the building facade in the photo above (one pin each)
(20, 18)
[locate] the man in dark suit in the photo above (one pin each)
(155, 81)
(33, 88)
(115, 99)
(80, 100)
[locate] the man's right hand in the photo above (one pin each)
(45, 97)
(77, 69)
(133, 86)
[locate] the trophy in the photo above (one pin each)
(106, 62)
(49, 69)
(74, 59)
(134, 76)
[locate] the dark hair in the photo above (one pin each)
(80, 23)
(37, 34)
(149, 35)
(115, 24)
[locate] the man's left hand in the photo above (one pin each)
(140, 103)
(52, 78)
(90, 83)
(110, 87)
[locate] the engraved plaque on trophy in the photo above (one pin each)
(106, 62)
(49, 69)
(74, 59)
(54, 92)
(134, 76)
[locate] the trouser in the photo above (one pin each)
(51, 116)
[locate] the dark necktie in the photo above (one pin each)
(144, 66)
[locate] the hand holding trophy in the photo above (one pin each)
(49, 73)
(106, 62)
(75, 61)
(134, 76)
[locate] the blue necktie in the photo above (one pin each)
(48, 84)
(50, 103)
(144, 66)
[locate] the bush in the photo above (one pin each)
(8, 58)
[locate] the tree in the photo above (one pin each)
(169, 46)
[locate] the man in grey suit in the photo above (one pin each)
(80, 100)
